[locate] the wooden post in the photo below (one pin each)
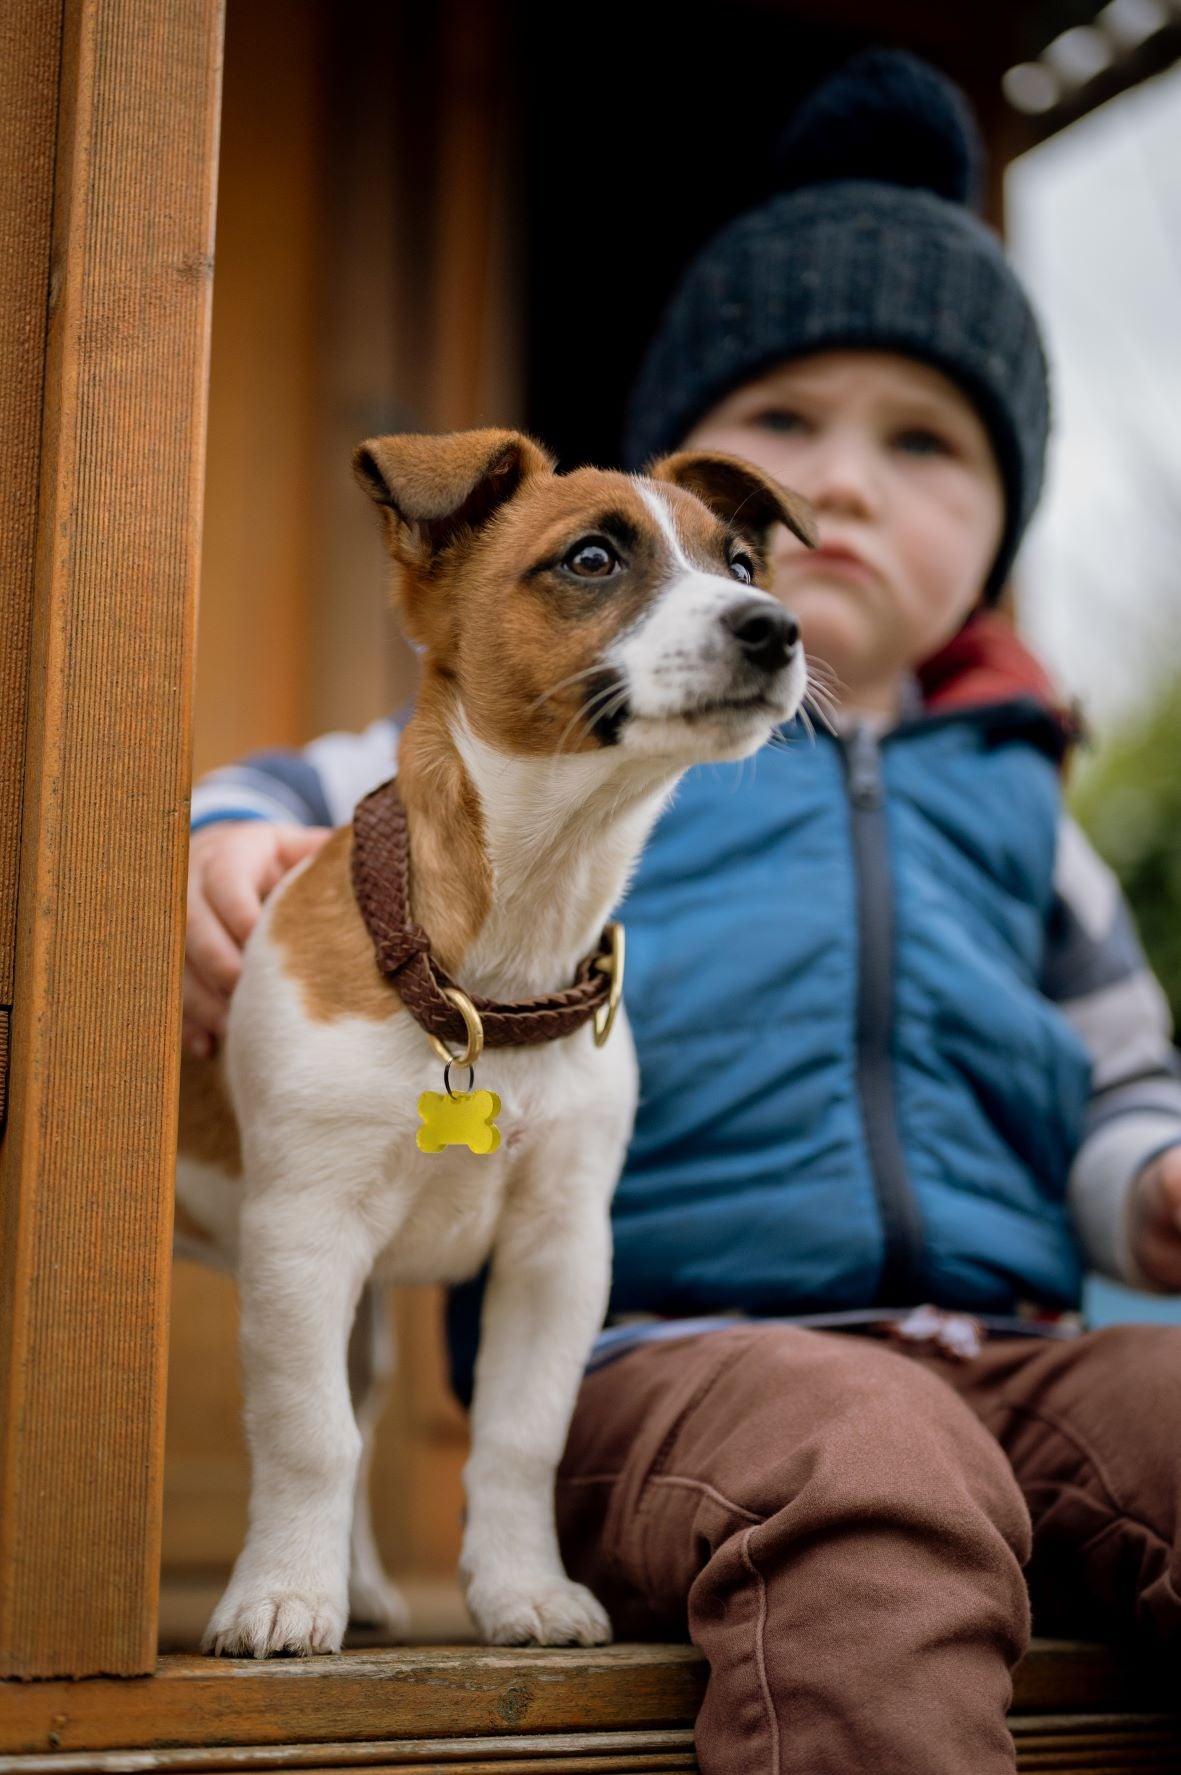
(104, 583)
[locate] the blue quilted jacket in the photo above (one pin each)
(854, 1090)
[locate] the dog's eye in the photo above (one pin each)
(743, 568)
(592, 558)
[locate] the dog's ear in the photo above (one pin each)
(437, 488)
(741, 495)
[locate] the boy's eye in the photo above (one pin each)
(743, 568)
(592, 558)
(779, 419)
(918, 441)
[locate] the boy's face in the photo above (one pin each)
(907, 494)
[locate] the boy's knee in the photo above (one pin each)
(842, 1427)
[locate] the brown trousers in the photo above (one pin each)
(841, 1524)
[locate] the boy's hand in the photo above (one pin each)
(233, 866)
(1156, 1220)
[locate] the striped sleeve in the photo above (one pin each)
(1097, 973)
(319, 785)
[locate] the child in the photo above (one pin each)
(897, 1040)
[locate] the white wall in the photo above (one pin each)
(1095, 231)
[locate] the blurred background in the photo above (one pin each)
(463, 212)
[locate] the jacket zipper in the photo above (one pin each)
(902, 1268)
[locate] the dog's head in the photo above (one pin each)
(592, 609)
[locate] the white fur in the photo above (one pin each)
(680, 655)
(335, 1190)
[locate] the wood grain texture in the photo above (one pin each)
(641, 1753)
(496, 1710)
(440, 1692)
(85, 1170)
(645, 1750)
(1096, 1744)
(30, 52)
(260, 538)
(1069, 1745)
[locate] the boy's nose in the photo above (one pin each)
(842, 476)
(766, 634)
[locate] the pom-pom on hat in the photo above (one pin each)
(890, 117)
(873, 240)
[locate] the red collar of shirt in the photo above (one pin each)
(988, 663)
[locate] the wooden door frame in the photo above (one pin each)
(110, 135)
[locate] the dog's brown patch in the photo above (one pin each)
(450, 876)
(528, 693)
(326, 949)
(207, 1129)
(706, 538)
(317, 924)
(739, 494)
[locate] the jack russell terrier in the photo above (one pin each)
(587, 637)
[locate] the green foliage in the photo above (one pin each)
(1129, 802)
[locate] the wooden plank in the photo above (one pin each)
(367, 1699)
(471, 1708)
(1086, 1744)
(1073, 1745)
(371, 303)
(645, 1751)
(30, 52)
(440, 1692)
(261, 531)
(85, 1170)
(560, 1755)
(1068, 1676)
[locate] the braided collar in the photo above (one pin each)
(380, 868)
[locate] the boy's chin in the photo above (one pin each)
(853, 660)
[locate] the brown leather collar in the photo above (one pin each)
(381, 883)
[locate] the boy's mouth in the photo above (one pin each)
(840, 556)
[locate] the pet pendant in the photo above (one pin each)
(458, 1118)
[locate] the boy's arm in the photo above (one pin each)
(251, 823)
(317, 786)
(1097, 973)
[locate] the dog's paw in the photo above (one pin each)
(376, 1601)
(554, 1612)
(257, 1624)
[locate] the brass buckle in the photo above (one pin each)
(611, 965)
(473, 1025)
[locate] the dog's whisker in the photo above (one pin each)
(563, 684)
(584, 713)
(822, 677)
(824, 711)
(612, 692)
(821, 686)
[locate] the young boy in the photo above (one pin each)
(898, 1043)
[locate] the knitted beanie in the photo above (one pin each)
(873, 242)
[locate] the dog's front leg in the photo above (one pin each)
(374, 1600)
(545, 1303)
(303, 1262)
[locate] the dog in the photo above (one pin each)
(585, 637)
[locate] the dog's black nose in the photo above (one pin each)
(766, 634)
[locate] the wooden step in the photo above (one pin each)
(481, 1710)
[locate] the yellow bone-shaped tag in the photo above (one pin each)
(462, 1120)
